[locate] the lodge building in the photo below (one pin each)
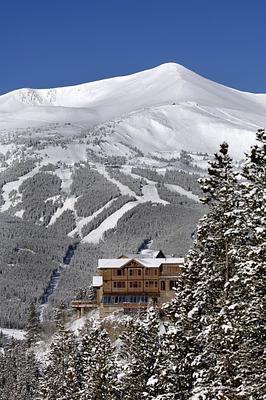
(134, 281)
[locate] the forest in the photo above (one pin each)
(206, 344)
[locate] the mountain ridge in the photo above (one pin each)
(167, 107)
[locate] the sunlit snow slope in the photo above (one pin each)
(162, 109)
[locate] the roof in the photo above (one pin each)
(146, 253)
(97, 281)
(104, 263)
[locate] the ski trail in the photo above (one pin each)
(81, 221)
(69, 204)
(110, 222)
(14, 185)
(123, 188)
(183, 192)
(54, 281)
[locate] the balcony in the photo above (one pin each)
(83, 303)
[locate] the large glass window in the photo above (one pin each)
(162, 285)
(106, 299)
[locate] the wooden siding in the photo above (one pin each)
(137, 279)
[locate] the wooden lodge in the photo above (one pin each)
(133, 281)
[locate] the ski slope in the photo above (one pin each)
(14, 185)
(110, 222)
(178, 189)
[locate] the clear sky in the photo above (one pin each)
(45, 43)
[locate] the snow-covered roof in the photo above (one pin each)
(146, 262)
(156, 262)
(112, 262)
(147, 253)
(97, 281)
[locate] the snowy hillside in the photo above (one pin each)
(102, 169)
(163, 109)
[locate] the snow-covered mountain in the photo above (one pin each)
(166, 108)
(64, 193)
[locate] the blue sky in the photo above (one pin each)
(46, 43)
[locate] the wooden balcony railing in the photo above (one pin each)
(83, 303)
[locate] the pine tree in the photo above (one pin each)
(248, 285)
(140, 343)
(27, 374)
(18, 372)
(59, 377)
(98, 369)
(212, 269)
(173, 370)
(33, 328)
(216, 328)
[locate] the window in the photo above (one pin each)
(151, 271)
(162, 285)
(119, 272)
(106, 299)
(172, 270)
(151, 284)
(119, 285)
(172, 284)
(135, 272)
(135, 284)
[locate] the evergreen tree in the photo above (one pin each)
(198, 343)
(140, 343)
(248, 286)
(27, 374)
(61, 371)
(173, 369)
(217, 315)
(33, 328)
(211, 270)
(18, 372)
(98, 369)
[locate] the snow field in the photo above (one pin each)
(18, 334)
(168, 101)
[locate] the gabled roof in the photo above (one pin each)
(104, 263)
(147, 253)
(112, 262)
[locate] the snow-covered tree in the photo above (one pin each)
(173, 371)
(18, 372)
(248, 284)
(33, 328)
(216, 330)
(59, 381)
(140, 343)
(98, 371)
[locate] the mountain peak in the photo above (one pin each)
(165, 107)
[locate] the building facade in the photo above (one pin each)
(136, 281)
